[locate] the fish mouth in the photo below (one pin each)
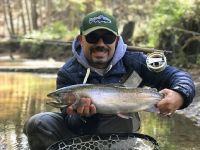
(50, 95)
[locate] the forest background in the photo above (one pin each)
(40, 29)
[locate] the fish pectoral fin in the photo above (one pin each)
(152, 109)
(124, 116)
(77, 102)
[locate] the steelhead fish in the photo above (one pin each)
(109, 98)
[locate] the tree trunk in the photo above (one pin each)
(22, 16)
(127, 32)
(17, 26)
(10, 17)
(48, 11)
(28, 15)
(5, 17)
(41, 18)
(34, 14)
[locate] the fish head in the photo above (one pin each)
(59, 92)
(65, 98)
(53, 94)
(66, 95)
(69, 95)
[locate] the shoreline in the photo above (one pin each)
(45, 70)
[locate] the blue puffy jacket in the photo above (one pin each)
(74, 71)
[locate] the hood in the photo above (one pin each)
(78, 53)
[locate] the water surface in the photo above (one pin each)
(23, 95)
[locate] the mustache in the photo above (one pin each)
(99, 48)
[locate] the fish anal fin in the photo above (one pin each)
(124, 116)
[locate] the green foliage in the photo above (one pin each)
(41, 50)
(34, 44)
(169, 29)
(60, 5)
(32, 48)
(56, 30)
(166, 13)
(198, 59)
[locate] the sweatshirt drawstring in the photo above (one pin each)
(86, 76)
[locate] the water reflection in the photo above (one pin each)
(175, 133)
(23, 95)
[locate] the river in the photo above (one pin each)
(24, 94)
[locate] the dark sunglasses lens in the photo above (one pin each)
(108, 38)
(94, 38)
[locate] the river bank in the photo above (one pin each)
(18, 64)
(193, 111)
(51, 66)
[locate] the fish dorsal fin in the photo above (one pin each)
(154, 89)
(133, 80)
(150, 89)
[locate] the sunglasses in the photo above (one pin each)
(93, 38)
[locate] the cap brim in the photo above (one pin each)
(97, 28)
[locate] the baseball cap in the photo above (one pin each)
(98, 20)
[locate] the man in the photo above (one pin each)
(100, 56)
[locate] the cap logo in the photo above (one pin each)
(99, 19)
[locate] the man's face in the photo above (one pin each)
(99, 47)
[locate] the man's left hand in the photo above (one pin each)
(170, 103)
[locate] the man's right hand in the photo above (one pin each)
(86, 109)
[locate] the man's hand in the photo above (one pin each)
(170, 103)
(86, 108)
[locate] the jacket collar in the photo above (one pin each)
(117, 69)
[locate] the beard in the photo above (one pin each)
(99, 62)
(99, 49)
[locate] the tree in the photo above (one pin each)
(22, 16)
(34, 14)
(9, 19)
(28, 15)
